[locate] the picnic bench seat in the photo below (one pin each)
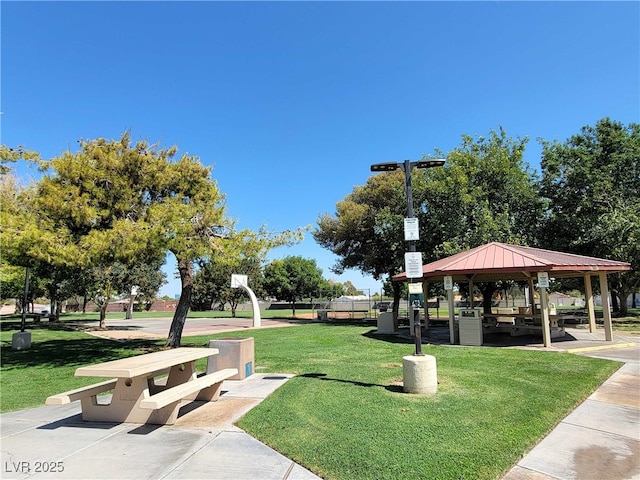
(82, 392)
(207, 387)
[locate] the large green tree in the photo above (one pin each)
(292, 278)
(28, 241)
(484, 193)
(96, 201)
(118, 202)
(592, 181)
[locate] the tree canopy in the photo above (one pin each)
(292, 278)
(118, 202)
(592, 183)
(485, 192)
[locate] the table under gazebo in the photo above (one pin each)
(499, 261)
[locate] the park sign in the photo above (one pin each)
(543, 279)
(413, 264)
(411, 231)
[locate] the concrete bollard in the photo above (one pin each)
(420, 374)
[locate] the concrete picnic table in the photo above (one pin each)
(523, 323)
(142, 390)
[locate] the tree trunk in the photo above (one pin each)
(103, 314)
(487, 294)
(623, 294)
(103, 307)
(182, 309)
(129, 314)
(397, 288)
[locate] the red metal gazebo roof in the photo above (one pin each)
(501, 261)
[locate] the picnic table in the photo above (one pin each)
(148, 388)
(523, 324)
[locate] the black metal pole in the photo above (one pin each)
(414, 310)
(24, 301)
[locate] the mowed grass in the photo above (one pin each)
(344, 416)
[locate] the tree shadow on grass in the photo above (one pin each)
(7, 325)
(323, 377)
(388, 338)
(72, 352)
(433, 336)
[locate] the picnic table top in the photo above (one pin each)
(146, 363)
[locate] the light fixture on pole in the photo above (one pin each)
(411, 223)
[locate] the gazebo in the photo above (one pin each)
(499, 261)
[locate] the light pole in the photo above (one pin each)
(406, 167)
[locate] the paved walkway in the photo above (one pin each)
(600, 440)
(156, 328)
(53, 442)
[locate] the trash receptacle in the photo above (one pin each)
(470, 326)
(385, 323)
(233, 353)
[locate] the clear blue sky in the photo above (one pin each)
(291, 102)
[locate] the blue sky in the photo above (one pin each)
(291, 102)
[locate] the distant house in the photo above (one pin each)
(562, 299)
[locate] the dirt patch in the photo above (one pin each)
(220, 414)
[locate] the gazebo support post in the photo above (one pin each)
(591, 311)
(606, 307)
(452, 331)
(544, 306)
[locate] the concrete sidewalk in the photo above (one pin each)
(599, 440)
(53, 442)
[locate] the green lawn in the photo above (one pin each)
(344, 416)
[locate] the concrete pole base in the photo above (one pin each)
(21, 340)
(419, 374)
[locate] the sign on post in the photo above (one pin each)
(448, 283)
(413, 264)
(411, 231)
(543, 279)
